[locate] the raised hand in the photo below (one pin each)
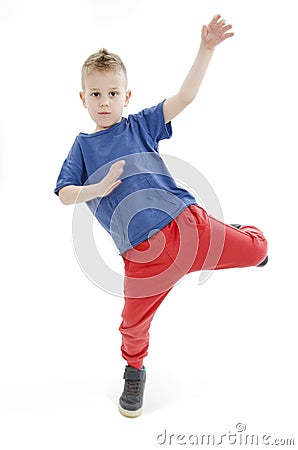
(216, 32)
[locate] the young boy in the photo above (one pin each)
(160, 231)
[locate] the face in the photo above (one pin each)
(105, 96)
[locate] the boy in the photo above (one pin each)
(160, 231)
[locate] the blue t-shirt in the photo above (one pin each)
(148, 197)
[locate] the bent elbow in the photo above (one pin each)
(63, 201)
(63, 198)
(187, 99)
(68, 195)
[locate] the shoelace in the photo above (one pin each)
(132, 387)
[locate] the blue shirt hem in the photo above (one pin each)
(158, 227)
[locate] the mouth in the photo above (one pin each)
(105, 113)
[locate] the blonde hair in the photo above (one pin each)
(102, 61)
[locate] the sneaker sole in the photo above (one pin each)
(128, 413)
(263, 263)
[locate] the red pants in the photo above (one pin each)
(193, 241)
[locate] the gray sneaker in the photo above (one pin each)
(131, 400)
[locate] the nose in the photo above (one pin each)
(104, 101)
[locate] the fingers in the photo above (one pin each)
(226, 28)
(216, 18)
(112, 187)
(116, 170)
(220, 23)
(204, 31)
(111, 180)
(118, 164)
(228, 35)
(219, 29)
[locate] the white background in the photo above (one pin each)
(220, 353)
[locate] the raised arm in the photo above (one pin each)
(212, 35)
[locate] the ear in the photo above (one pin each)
(127, 98)
(82, 97)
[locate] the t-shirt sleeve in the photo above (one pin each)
(73, 170)
(154, 121)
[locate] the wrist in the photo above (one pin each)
(99, 189)
(90, 192)
(204, 46)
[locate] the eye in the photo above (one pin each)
(114, 94)
(95, 94)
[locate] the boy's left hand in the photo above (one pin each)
(215, 32)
